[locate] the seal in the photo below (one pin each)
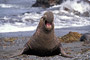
(44, 41)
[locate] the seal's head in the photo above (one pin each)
(48, 20)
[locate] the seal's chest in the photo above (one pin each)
(46, 44)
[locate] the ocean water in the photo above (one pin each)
(19, 15)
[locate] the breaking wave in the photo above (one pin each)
(68, 14)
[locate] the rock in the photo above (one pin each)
(46, 3)
(86, 14)
(70, 37)
(71, 10)
(85, 37)
(88, 1)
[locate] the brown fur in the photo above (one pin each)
(44, 41)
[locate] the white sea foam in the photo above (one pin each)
(74, 5)
(8, 6)
(11, 28)
(62, 18)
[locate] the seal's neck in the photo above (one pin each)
(43, 28)
(45, 39)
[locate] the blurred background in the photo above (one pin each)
(19, 15)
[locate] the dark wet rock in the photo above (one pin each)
(86, 14)
(71, 10)
(85, 38)
(66, 9)
(46, 3)
(88, 1)
(70, 37)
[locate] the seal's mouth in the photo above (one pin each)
(48, 25)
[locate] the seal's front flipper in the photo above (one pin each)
(64, 54)
(19, 54)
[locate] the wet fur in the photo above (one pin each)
(44, 42)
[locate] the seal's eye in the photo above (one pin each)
(44, 18)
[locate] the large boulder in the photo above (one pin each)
(85, 37)
(46, 3)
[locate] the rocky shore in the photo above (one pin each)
(70, 38)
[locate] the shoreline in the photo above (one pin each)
(59, 32)
(15, 44)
